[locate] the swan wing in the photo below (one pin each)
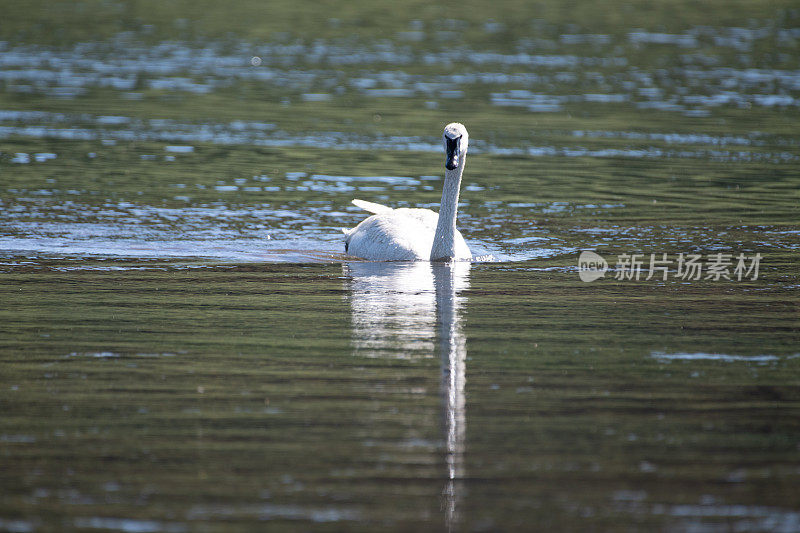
(372, 207)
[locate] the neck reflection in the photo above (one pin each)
(449, 279)
(411, 311)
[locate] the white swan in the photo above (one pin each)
(406, 234)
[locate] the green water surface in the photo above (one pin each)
(184, 345)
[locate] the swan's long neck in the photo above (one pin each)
(444, 240)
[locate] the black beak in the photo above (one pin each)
(452, 151)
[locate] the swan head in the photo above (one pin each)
(456, 140)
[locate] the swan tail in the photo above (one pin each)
(372, 207)
(347, 236)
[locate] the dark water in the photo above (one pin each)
(184, 346)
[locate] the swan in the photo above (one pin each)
(411, 234)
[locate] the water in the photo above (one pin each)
(185, 346)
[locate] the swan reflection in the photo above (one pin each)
(414, 310)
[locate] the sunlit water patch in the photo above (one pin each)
(97, 128)
(713, 71)
(221, 232)
(726, 358)
(318, 71)
(706, 516)
(128, 525)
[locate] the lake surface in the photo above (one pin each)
(185, 346)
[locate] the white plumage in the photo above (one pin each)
(398, 235)
(409, 234)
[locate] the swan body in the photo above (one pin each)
(411, 234)
(404, 234)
